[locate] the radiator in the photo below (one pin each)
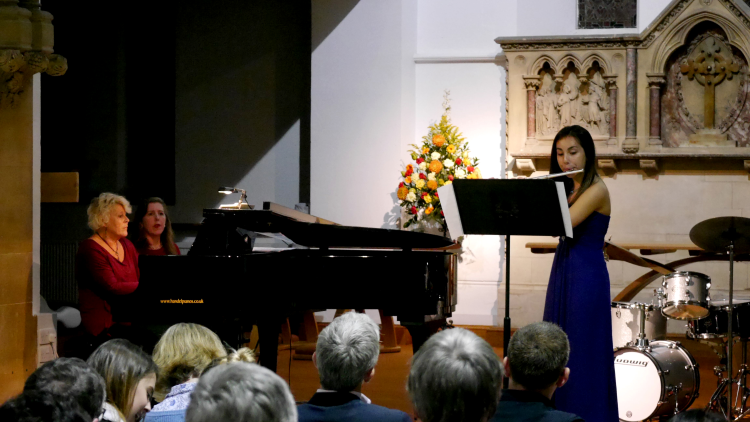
(57, 278)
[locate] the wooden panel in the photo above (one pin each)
(15, 278)
(59, 187)
(17, 348)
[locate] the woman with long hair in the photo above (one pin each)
(130, 377)
(155, 234)
(578, 295)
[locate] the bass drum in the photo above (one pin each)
(648, 380)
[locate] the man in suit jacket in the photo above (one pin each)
(537, 355)
(345, 356)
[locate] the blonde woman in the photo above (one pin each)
(182, 354)
(130, 377)
(106, 265)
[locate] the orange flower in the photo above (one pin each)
(432, 184)
(402, 192)
(436, 166)
(451, 149)
(438, 140)
(429, 210)
(425, 150)
(407, 180)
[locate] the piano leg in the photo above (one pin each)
(422, 330)
(268, 334)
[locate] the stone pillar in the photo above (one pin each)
(26, 41)
(655, 81)
(630, 145)
(612, 87)
(532, 84)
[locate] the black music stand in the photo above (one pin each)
(506, 207)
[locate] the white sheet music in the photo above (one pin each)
(564, 208)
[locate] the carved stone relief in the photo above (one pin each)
(572, 98)
(683, 103)
(16, 70)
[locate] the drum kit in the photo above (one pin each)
(658, 378)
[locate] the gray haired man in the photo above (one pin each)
(345, 356)
(241, 392)
(537, 355)
(455, 376)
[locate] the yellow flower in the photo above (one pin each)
(401, 193)
(425, 150)
(436, 166)
(471, 176)
(448, 183)
(438, 140)
(467, 162)
(451, 149)
(441, 182)
(407, 180)
(427, 198)
(412, 190)
(420, 184)
(432, 185)
(429, 210)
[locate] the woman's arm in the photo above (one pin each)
(595, 198)
(101, 272)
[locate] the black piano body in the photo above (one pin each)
(226, 285)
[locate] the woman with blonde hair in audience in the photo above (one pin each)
(106, 270)
(155, 234)
(183, 353)
(130, 377)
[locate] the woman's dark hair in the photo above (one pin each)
(167, 236)
(122, 365)
(589, 170)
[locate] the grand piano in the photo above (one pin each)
(228, 282)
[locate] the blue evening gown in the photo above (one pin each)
(578, 300)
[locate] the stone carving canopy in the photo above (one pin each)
(653, 97)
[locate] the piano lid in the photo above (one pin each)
(316, 235)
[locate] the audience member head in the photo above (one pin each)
(347, 352)
(537, 355)
(41, 406)
(129, 374)
(183, 352)
(154, 223)
(455, 376)
(108, 215)
(72, 378)
(241, 392)
(697, 415)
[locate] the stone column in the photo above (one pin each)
(655, 81)
(532, 84)
(630, 145)
(612, 87)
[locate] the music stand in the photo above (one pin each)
(506, 207)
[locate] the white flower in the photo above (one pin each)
(465, 155)
(411, 197)
(423, 165)
(460, 173)
(435, 155)
(431, 176)
(448, 164)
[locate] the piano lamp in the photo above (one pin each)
(241, 204)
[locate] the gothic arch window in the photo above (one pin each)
(607, 14)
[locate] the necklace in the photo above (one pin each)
(115, 249)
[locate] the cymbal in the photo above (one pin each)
(716, 234)
(618, 253)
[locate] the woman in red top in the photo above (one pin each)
(155, 235)
(106, 264)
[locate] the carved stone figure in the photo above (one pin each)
(567, 96)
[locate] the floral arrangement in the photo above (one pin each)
(442, 157)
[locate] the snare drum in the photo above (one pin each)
(626, 323)
(715, 324)
(648, 380)
(686, 295)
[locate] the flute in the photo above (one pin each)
(550, 176)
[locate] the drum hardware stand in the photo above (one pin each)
(642, 342)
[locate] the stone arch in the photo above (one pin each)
(678, 36)
(565, 61)
(589, 62)
(539, 64)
